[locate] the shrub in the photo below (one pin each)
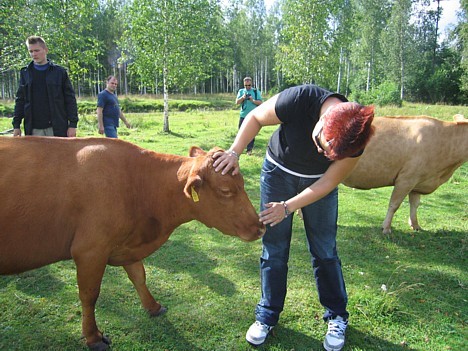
(385, 94)
(86, 107)
(7, 109)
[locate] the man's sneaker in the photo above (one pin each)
(335, 338)
(257, 333)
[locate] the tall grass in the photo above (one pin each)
(407, 291)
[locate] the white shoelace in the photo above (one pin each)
(337, 327)
(263, 326)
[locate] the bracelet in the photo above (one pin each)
(235, 154)
(286, 210)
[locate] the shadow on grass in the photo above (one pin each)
(363, 341)
(285, 338)
(156, 334)
(41, 282)
(191, 261)
(424, 249)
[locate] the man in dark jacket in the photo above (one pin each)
(45, 99)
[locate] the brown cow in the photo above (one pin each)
(415, 155)
(104, 201)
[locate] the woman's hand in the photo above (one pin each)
(274, 213)
(225, 161)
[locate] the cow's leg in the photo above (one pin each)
(398, 194)
(136, 273)
(414, 200)
(90, 270)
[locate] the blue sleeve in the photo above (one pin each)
(101, 101)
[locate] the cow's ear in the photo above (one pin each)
(192, 187)
(196, 151)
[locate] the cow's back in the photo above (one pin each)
(421, 148)
(46, 186)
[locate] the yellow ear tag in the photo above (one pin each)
(194, 195)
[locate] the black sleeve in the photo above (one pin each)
(20, 100)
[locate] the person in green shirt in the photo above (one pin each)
(249, 98)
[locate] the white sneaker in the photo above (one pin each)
(257, 333)
(335, 338)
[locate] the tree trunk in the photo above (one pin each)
(338, 85)
(166, 102)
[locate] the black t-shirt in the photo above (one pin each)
(291, 145)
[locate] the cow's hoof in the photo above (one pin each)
(102, 345)
(160, 312)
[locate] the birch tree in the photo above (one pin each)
(398, 43)
(304, 36)
(172, 39)
(370, 18)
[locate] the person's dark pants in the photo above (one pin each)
(320, 223)
(250, 146)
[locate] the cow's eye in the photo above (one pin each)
(226, 192)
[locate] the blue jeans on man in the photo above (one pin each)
(110, 131)
(320, 222)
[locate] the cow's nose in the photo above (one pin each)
(261, 231)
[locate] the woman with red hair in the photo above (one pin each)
(317, 144)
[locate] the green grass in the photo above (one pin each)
(210, 282)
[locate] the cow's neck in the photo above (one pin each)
(165, 198)
(456, 136)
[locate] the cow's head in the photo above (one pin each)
(220, 201)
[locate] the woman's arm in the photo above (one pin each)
(263, 115)
(336, 173)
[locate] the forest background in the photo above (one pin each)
(375, 51)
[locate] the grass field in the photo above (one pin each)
(407, 291)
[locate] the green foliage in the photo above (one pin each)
(386, 93)
(443, 85)
(12, 35)
(144, 104)
(397, 41)
(463, 40)
(86, 107)
(171, 39)
(303, 53)
(209, 46)
(7, 109)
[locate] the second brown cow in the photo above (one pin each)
(415, 155)
(104, 201)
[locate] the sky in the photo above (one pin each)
(449, 13)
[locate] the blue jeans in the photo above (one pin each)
(110, 131)
(320, 223)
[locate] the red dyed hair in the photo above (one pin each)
(348, 124)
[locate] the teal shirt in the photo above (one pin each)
(248, 105)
